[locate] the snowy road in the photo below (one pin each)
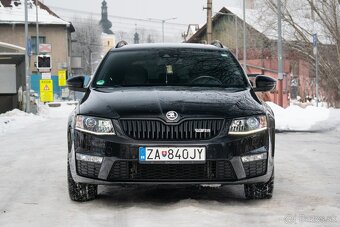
(33, 190)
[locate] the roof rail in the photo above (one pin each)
(121, 44)
(217, 43)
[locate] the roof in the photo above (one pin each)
(266, 24)
(168, 46)
(13, 12)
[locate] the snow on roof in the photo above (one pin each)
(266, 23)
(13, 12)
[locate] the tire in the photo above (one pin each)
(80, 192)
(260, 190)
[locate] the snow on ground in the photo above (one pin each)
(311, 118)
(15, 120)
(33, 189)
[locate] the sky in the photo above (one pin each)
(186, 11)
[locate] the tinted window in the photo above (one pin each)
(177, 67)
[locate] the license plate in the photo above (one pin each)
(172, 154)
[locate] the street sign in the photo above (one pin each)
(46, 91)
(315, 44)
(46, 76)
(62, 77)
(44, 63)
(45, 48)
(315, 40)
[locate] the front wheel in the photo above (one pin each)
(260, 190)
(80, 192)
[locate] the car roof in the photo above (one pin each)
(167, 46)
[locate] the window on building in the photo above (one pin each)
(42, 39)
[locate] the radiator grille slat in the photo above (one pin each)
(157, 130)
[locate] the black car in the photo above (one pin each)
(170, 114)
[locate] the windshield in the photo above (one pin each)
(171, 67)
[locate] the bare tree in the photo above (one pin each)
(87, 42)
(322, 17)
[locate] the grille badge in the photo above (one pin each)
(172, 115)
(202, 130)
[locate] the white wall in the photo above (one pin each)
(8, 84)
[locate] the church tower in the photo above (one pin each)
(107, 36)
(104, 22)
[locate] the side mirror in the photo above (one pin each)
(76, 83)
(264, 83)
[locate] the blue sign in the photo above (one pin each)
(29, 47)
(315, 40)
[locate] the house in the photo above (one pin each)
(52, 30)
(261, 49)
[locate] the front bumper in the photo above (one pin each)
(120, 163)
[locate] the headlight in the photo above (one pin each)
(94, 125)
(248, 125)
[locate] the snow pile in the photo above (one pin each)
(14, 120)
(311, 118)
(62, 111)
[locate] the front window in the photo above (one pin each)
(171, 67)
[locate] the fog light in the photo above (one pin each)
(254, 157)
(89, 158)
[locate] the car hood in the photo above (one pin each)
(144, 102)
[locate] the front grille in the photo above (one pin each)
(88, 169)
(171, 171)
(133, 171)
(158, 130)
(255, 168)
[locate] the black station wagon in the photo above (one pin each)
(171, 114)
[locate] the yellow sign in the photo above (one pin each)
(46, 90)
(62, 77)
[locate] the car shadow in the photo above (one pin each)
(165, 195)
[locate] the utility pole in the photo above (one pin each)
(90, 60)
(244, 37)
(209, 21)
(236, 38)
(37, 25)
(279, 53)
(163, 24)
(315, 50)
(28, 79)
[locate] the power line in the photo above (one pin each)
(113, 16)
(120, 23)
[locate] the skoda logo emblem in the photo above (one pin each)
(172, 115)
